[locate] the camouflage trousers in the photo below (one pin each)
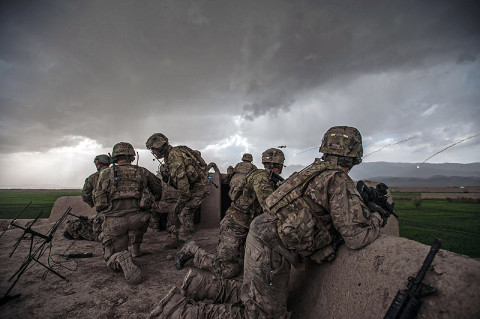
(266, 271)
(228, 260)
(116, 236)
(186, 216)
(83, 228)
(202, 296)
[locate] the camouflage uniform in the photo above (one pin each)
(306, 214)
(202, 296)
(228, 260)
(188, 176)
(119, 198)
(164, 207)
(248, 194)
(84, 228)
(89, 187)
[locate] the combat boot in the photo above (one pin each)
(132, 273)
(185, 254)
(171, 303)
(136, 250)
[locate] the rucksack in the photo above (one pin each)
(298, 226)
(239, 179)
(195, 166)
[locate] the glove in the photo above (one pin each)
(376, 208)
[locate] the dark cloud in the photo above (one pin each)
(121, 70)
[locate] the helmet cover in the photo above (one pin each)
(342, 141)
(123, 148)
(273, 155)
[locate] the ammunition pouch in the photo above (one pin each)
(146, 200)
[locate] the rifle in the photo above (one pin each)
(406, 303)
(377, 196)
(275, 178)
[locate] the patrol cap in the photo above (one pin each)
(157, 140)
(103, 159)
(273, 155)
(123, 148)
(342, 141)
(247, 157)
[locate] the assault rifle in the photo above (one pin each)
(407, 302)
(377, 196)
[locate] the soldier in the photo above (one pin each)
(165, 207)
(121, 196)
(186, 172)
(248, 190)
(84, 228)
(308, 216)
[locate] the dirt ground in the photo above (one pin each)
(92, 290)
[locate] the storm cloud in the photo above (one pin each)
(227, 77)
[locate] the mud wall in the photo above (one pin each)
(362, 283)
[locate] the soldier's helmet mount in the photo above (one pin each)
(102, 159)
(157, 141)
(273, 156)
(122, 149)
(343, 141)
(247, 157)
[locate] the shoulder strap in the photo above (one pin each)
(296, 181)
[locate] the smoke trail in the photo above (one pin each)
(308, 149)
(446, 148)
(388, 145)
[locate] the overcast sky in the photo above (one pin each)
(228, 77)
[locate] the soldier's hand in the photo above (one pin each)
(383, 213)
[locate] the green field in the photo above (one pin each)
(13, 201)
(455, 221)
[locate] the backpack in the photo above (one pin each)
(195, 165)
(239, 179)
(298, 226)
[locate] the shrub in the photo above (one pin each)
(417, 202)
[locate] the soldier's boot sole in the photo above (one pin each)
(131, 272)
(184, 254)
(169, 304)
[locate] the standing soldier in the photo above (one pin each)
(122, 197)
(84, 228)
(248, 191)
(186, 172)
(308, 216)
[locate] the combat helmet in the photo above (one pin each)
(343, 141)
(123, 149)
(273, 155)
(247, 157)
(102, 159)
(157, 141)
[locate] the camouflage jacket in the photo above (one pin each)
(323, 201)
(251, 202)
(120, 189)
(89, 187)
(187, 174)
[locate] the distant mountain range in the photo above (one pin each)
(408, 175)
